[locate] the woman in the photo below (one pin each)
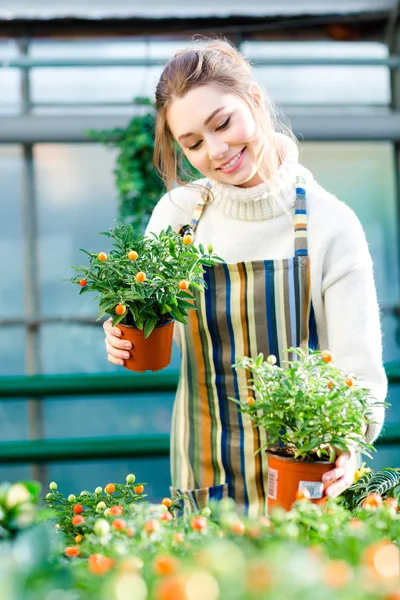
(298, 271)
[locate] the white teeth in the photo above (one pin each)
(232, 162)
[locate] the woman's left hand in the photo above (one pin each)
(342, 476)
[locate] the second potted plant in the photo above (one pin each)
(311, 410)
(145, 283)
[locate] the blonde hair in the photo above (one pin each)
(220, 64)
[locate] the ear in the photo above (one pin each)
(256, 93)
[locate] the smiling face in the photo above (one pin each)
(218, 134)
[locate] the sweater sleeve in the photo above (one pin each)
(352, 314)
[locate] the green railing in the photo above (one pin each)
(93, 385)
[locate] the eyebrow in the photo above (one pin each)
(206, 122)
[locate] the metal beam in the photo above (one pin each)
(82, 384)
(148, 445)
(392, 62)
(366, 126)
(87, 384)
(46, 451)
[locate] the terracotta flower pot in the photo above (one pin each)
(152, 353)
(287, 475)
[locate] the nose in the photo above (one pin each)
(217, 149)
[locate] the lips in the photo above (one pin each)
(230, 159)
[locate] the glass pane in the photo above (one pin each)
(108, 415)
(9, 80)
(322, 85)
(76, 199)
(13, 420)
(11, 233)
(99, 84)
(12, 350)
(79, 348)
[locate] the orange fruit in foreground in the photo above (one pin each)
(72, 551)
(165, 565)
(372, 501)
(391, 502)
(119, 524)
(99, 564)
(120, 309)
(82, 282)
(78, 520)
(116, 511)
(187, 239)
(383, 558)
(250, 400)
(139, 489)
(303, 494)
(183, 285)
(133, 255)
(258, 577)
(171, 588)
(151, 526)
(110, 488)
(393, 595)
(102, 256)
(327, 356)
(167, 502)
(337, 573)
(141, 276)
(78, 538)
(238, 528)
(78, 508)
(349, 381)
(166, 516)
(198, 523)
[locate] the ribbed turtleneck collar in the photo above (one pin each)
(266, 200)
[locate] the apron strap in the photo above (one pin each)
(190, 228)
(300, 218)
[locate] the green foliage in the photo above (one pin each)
(165, 259)
(308, 405)
(385, 482)
(18, 507)
(138, 183)
(310, 552)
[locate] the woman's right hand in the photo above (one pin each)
(117, 349)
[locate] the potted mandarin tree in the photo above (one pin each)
(312, 410)
(145, 283)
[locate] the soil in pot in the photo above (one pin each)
(287, 475)
(152, 353)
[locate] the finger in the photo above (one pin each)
(343, 459)
(338, 487)
(115, 342)
(107, 325)
(115, 361)
(333, 475)
(116, 353)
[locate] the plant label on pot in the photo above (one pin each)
(315, 488)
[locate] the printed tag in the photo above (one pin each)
(315, 488)
(272, 483)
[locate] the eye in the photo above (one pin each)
(195, 146)
(224, 125)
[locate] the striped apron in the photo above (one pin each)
(247, 308)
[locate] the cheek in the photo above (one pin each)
(246, 131)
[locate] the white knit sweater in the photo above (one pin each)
(246, 224)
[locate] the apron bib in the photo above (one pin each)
(247, 308)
